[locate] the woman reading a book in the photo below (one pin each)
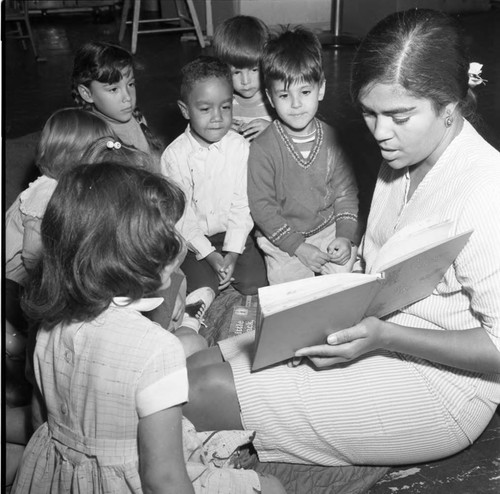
(423, 382)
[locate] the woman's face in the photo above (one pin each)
(407, 129)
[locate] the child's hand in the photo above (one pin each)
(236, 125)
(254, 128)
(216, 261)
(227, 270)
(312, 257)
(340, 251)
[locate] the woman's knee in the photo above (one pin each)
(213, 403)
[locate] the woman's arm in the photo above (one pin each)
(469, 349)
(161, 459)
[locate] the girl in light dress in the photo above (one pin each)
(113, 381)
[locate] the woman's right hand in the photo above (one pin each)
(346, 345)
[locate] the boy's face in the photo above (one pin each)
(246, 82)
(297, 104)
(209, 110)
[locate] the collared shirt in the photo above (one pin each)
(214, 180)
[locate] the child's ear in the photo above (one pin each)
(85, 93)
(184, 109)
(322, 89)
(269, 98)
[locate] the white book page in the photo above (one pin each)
(410, 240)
(276, 298)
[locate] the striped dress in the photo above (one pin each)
(387, 408)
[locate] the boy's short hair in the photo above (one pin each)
(202, 68)
(293, 55)
(239, 41)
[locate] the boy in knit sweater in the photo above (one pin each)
(302, 191)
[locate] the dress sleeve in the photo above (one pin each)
(163, 383)
(478, 265)
(32, 242)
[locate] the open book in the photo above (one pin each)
(304, 312)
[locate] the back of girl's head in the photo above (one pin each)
(421, 50)
(293, 55)
(97, 61)
(65, 137)
(108, 231)
(110, 148)
(200, 69)
(239, 41)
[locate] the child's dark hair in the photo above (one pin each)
(200, 69)
(108, 231)
(97, 61)
(239, 41)
(110, 148)
(65, 137)
(422, 50)
(105, 62)
(293, 55)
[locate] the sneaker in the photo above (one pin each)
(198, 302)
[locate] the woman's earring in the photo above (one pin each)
(448, 121)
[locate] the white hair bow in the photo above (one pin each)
(475, 78)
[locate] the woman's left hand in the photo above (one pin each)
(345, 345)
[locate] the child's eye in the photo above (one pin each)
(255, 69)
(131, 83)
(306, 92)
(112, 89)
(226, 107)
(204, 109)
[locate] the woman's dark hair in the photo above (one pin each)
(422, 50)
(293, 55)
(239, 41)
(108, 231)
(65, 137)
(200, 69)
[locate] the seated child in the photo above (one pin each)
(103, 81)
(239, 42)
(114, 382)
(209, 162)
(302, 191)
(172, 313)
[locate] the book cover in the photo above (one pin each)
(304, 312)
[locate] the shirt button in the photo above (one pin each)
(64, 409)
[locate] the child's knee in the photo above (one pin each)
(269, 484)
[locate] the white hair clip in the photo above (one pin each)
(113, 145)
(475, 78)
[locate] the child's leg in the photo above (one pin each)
(199, 274)
(282, 267)
(250, 270)
(164, 314)
(269, 484)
